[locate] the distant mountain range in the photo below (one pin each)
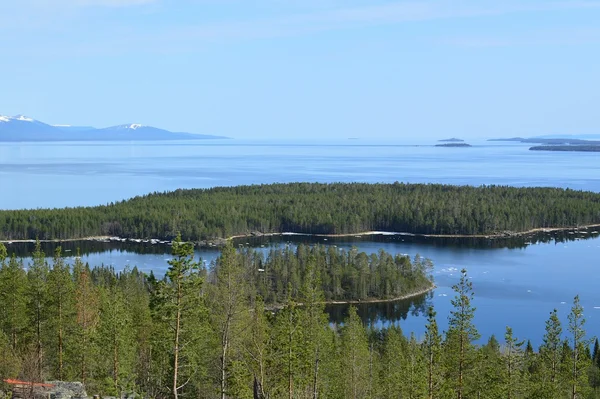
(23, 128)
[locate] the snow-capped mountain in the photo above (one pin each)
(23, 128)
(13, 127)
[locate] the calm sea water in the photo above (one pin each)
(516, 283)
(36, 175)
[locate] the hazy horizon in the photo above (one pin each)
(335, 69)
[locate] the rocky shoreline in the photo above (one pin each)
(219, 242)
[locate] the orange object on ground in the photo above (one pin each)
(35, 384)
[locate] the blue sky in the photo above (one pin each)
(310, 69)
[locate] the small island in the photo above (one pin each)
(575, 148)
(457, 145)
(452, 140)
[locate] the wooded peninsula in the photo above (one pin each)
(313, 208)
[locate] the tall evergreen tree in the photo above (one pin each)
(61, 313)
(115, 338)
(181, 307)
(37, 306)
(432, 351)
(13, 302)
(287, 344)
(314, 321)
(513, 365)
(257, 349)
(355, 355)
(550, 355)
(461, 334)
(393, 364)
(229, 309)
(87, 307)
(579, 377)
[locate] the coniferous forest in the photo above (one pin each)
(252, 325)
(204, 214)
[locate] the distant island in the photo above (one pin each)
(575, 148)
(459, 145)
(22, 128)
(550, 141)
(452, 140)
(557, 144)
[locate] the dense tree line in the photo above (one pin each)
(313, 208)
(128, 331)
(204, 332)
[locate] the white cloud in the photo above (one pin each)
(359, 16)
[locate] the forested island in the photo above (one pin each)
(313, 208)
(579, 148)
(203, 332)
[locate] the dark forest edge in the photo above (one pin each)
(117, 332)
(314, 208)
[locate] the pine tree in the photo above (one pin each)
(115, 338)
(393, 364)
(257, 348)
(314, 321)
(37, 306)
(10, 364)
(229, 309)
(181, 307)
(288, 336)
(61, 313)
(87, 307)
(355, 355)
(415, 380)
(579, 377)
(513, 364)
(461, 334)
(488, 380)
(550, 355)
(13, 302)
(432, 352)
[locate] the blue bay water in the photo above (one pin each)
(516, 287)
(36, 175)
